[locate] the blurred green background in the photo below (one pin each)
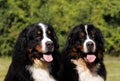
(15, 15)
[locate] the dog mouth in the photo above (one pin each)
(90, 57)
(46, 57)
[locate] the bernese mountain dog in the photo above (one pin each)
(83, 55)
(35, 55)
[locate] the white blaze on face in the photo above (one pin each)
(45, 38)
(88, 40)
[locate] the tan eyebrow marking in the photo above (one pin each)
(38, 32)
(82, 34)
(92, 32)
(49, 32)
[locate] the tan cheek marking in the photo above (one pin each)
(80, 47)
(74, 53)
(38, 48)
(30, 54)
(74, 49)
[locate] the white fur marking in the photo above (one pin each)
(88, 40)
(40, 74)
(45, 38)
(85, 74)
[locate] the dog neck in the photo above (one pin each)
(40, 71)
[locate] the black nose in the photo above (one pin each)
(90, 45)
(49, 44)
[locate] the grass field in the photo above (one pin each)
(112, 66)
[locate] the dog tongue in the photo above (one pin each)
(47, 57)
(91, 58)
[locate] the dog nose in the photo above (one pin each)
(49, 44)
(90, 46)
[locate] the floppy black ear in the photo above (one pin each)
(100, 39)
(73, 36)
(70, 40)
(55, 40)
(21, 41)
(19, 52)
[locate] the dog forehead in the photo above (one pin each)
(42, 25)
(39, 28)
(90, 28)
(45, 27)
(77, 30)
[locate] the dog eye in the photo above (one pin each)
(49, 32)
(93, 36)
(81, 39)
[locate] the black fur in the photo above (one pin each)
(68, 71)
(20, 58)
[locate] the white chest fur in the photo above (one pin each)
(40, 74)
(85, 74)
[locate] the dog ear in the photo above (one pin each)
(73, 36)
(19, 52)
(21, 41)
(101, 39)
(70, 40)
(55, 40)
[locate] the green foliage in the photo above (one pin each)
(15, 15)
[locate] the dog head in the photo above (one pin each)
(39, 41)
(85, 41)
